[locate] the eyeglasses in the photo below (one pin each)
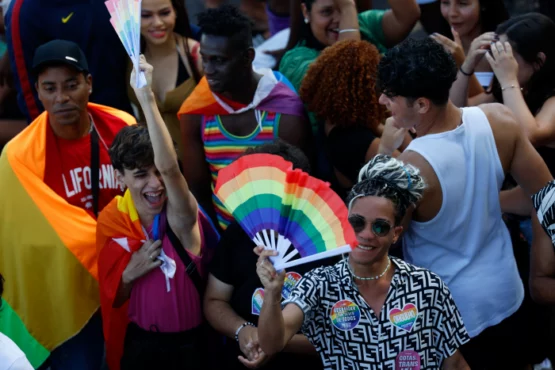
(380, 227)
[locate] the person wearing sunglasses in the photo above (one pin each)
(370, 310)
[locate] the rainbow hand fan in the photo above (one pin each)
(286, 210)
(125, 17)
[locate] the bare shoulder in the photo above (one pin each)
(416, 159)
(499, 114)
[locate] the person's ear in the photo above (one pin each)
(423, 105)
(88, 80)
(119, 177)
(540, 61)
(306, 13)
(397, 231)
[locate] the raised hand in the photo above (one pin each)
(143, 261)
(454, 48)
(270, 278)
(503, 63)
(392, 137)
(478, 48)
(147, 70)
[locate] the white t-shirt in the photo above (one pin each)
(11, 357)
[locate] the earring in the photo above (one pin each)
(306, 20)
(90, 91)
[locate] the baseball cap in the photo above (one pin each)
(60, 51)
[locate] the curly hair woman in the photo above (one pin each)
(340, 88)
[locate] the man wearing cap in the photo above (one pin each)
(31, 23)
(56, 177)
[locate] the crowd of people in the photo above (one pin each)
(116, 252)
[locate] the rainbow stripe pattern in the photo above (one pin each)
(284, 209)
(222, 147)
(125, 17)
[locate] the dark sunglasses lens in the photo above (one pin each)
(381, 228)
(357, 222)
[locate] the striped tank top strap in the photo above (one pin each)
(221, 148)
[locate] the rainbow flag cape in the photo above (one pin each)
(47, 246)
(120, 233)
(271, 95)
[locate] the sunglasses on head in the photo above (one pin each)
(380, 227)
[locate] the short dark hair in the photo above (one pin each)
(38, 71)
(227, 21)
(285, 150)
(417, 69)
(132, 149)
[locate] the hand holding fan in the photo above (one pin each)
(286, 210)
(126, 20)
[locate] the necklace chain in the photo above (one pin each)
(372, 277)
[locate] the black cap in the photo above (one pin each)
(60, 51)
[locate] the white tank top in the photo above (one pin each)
(467, 244)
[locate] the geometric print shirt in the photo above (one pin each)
(419, 325)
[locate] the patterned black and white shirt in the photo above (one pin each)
(419, 325)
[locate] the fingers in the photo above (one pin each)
(258, 250)
(154, 245)
(265, 267)
(490, 60)
(508, 48)
(456, 36)
(154, 254)
(248, 363)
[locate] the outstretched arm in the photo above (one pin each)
(182, 206)
(399, 20)
(275, 328)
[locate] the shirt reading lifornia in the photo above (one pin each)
(419, 325)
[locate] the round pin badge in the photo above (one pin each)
(291, 279)
(345, 315)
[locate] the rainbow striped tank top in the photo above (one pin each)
(221, 148)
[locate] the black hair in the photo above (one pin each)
(132, 149)
(285, 150)
(417, 69)
(182, 27)
(55, 64)
(227, 21)
(492, 14)
(388, 177)
(530, 34)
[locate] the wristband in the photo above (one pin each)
(241, 327)
(464, 73)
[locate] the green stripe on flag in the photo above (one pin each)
(12, 326)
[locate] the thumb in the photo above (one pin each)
(456, 36)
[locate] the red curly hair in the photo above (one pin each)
(340, 86)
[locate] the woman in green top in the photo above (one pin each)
(328, 21)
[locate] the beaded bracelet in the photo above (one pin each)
(510, 87)
(241, 327)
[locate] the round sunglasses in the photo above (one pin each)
(380, 227)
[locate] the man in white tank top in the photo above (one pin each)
(457, 230)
